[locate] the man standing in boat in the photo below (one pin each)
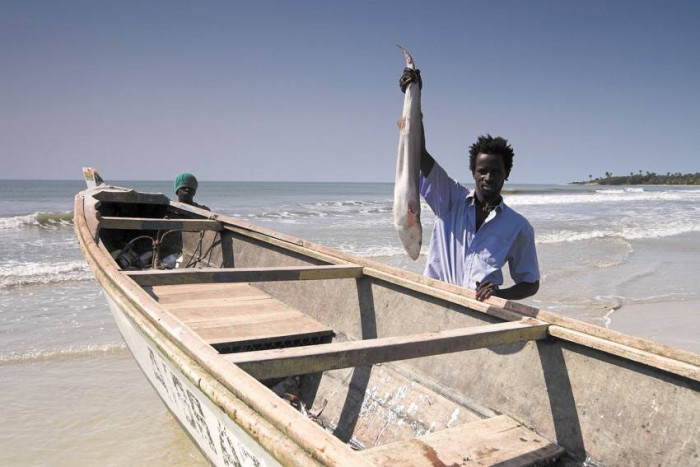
(475, 232)
(185, 189)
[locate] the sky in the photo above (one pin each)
(308, 90)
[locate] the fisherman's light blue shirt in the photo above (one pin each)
(460, 255)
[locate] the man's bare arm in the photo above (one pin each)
(519, 291)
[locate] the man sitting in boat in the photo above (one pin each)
(475, 232)
(185, 189)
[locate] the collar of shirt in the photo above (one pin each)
(471, 198)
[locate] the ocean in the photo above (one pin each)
(626, 258)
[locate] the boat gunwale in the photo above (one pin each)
(659, 356)
(688, 362)
(310, 438)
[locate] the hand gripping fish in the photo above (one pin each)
(406, 196)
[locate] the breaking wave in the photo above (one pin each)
(612, 191)
(601, 196)
(79, 351)
(626, 233)
(352, 210)
(341, 210)
(16, 274)
(368, 251)
(37, 219)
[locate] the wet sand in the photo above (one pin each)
(87, 411)
(671, 323)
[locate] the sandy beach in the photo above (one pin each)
(82, 410)
(671, 323)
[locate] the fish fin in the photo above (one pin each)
(413, 215)
(411, 218)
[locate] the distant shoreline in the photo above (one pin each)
(649, 178)
(635, 184)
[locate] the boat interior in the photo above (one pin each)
(281, 314)
(402, 372)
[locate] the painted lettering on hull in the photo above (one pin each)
(231, 451)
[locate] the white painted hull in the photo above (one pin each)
(223, 442)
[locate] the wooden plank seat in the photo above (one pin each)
(318, 358)
(498, 440)
(206, 275)
(143, 223)
(239, 316)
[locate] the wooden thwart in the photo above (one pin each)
(142, 223)
(121, 195)
(317, 358)
(209, 275)
(192, 295)
(238, 315)
(493, 441)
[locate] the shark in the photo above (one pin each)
(406, 207)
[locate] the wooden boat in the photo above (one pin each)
(272, 350)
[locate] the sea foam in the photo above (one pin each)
(37, 219)
(78, 351)
(15, 274)
(627, 233)
(601, 196)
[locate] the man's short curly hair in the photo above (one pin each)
(495, 146)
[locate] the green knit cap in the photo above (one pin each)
(186, 179)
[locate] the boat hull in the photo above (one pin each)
(599, 394)
(221, 441)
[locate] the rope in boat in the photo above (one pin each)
(197, 256)
(192, 261)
